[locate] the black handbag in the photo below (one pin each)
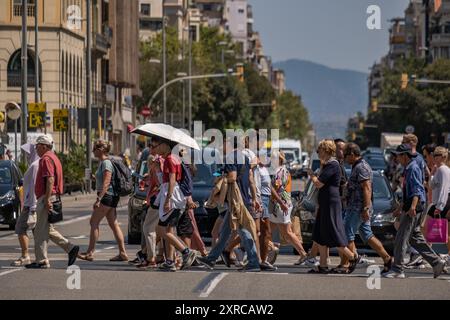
(56, 214)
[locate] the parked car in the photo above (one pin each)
(376, 161)
(136, 203)
(203, 184)
(293, 164)
(382, 220)
(11, 190)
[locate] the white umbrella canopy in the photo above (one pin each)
(167, 132)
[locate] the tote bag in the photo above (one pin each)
(436, 230)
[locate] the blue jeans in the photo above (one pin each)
(246, 240)
(353, 223)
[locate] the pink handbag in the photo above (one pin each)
(437, 230)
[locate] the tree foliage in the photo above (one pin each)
(219, 103)
(426, 107)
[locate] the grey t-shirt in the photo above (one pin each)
(105, 165)
(266, 181)
(361, 171)
(440, 186)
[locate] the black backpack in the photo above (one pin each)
(122, 182)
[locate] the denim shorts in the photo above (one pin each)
(265, 199)
(354, 223)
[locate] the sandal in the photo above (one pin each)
(22, 261)
(320, 270)
(147, 265)
(340, 269)
(119, 258)
(86, 256)
(354, 263)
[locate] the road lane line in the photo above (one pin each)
(108, 248)
(73, 220)
(211, 283)
(9, 271)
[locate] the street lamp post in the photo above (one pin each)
(88, 91)
(183, 114)
(23, 127)
(164, 60)
(190, 81)
(222, 44)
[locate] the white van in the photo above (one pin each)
(293, 151)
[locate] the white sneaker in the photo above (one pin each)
(446, 258)
(311, 262)
(394, 275)
(364, 262)
(240, 257)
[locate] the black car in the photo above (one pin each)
(136, 204)
(377, 162)
(382, 220)
(203, 184)
(10, 193)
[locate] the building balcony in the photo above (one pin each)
(18, 10)
(440, 39)
(102, 42)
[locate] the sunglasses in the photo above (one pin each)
(437, 155)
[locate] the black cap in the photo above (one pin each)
(404, 149)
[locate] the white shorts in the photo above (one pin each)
(281, 217)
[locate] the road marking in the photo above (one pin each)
(7, 235)
(209, 284)
(109, 248)
(9, 271)
(78, 237)
(73, 220)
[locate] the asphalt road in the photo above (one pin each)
(102, 279)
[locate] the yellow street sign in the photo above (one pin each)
(36, 119)
(37, 107)
(60, 123)
(61, 113)
(60, 120)
(2, 117)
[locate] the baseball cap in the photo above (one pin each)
(44, 139)
(404, 149)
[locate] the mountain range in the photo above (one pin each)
(331, 96)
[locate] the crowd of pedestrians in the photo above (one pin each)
(252, 202)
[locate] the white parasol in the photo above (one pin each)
(167, 132)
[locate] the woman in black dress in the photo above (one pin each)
(329, 228)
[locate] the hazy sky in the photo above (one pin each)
(330, 32)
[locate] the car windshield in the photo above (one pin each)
(376, 162)
(289, 157)
(5, 175)
(380, 188)
(204, 175)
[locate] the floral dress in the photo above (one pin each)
(281, 183)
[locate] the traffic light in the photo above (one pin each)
(405, 80)
(374, 106)
(361, 125)
(240, 72)
(287, 124)
(353, 136)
